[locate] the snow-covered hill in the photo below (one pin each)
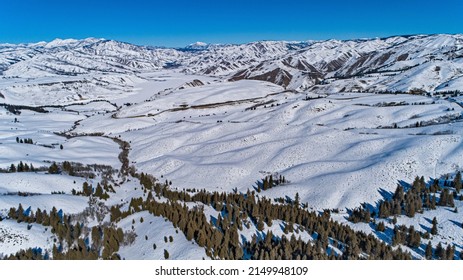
(420, 63)
(333, 117)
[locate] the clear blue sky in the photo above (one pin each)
(180, 22)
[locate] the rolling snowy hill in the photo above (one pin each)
(343, 121)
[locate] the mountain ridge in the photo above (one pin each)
(398, 63)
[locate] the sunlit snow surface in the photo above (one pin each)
(196, 128)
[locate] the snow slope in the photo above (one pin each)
(222, 117)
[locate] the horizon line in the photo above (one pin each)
(224, 44)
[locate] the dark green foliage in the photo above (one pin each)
(87, 189)
(260, 225)
(428, 253)
(450, 252)
(360, 215)
(446, 198)
(221, 239)
(413, 238)
(434, 226)
(457, 184)
(381, 227)
(440, 252)
(166, 254)
(25, 141)
(268, 182)
(104, 239)
(53, 169)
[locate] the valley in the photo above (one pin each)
(344, 125)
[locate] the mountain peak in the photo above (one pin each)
(197, 46)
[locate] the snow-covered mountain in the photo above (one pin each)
(86, 127)
(75, 57)
(423, 63)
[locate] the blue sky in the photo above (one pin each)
(177, 23)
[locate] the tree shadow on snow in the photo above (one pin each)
(458, 224)
(258, 184)
(385, 236)
(385, 194)
(426, 228)
(428, 220)
(214, 221)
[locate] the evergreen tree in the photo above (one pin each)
(440, 252)
(434, 226)
(260, 225)
(53, 169)
(99, 191)
(428, 253)
(20, 167)
(265, 184)
(297, 199)
(381, 227)
(457, 182)
(449, 252)
(399, 193)
(86, 189)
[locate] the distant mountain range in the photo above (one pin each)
(416, 63)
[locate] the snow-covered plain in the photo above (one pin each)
(336, 151)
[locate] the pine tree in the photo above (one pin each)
(260, 225)
(449, 252)
(166, 254)
(433, 202)
(381, 227)
(457, 182)
(265, 184)
(399, 193)
(20, 167)
(440, 252)
(86, 189)
(99, 191)
(434, 226)
(429, 251)
(53, 169)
